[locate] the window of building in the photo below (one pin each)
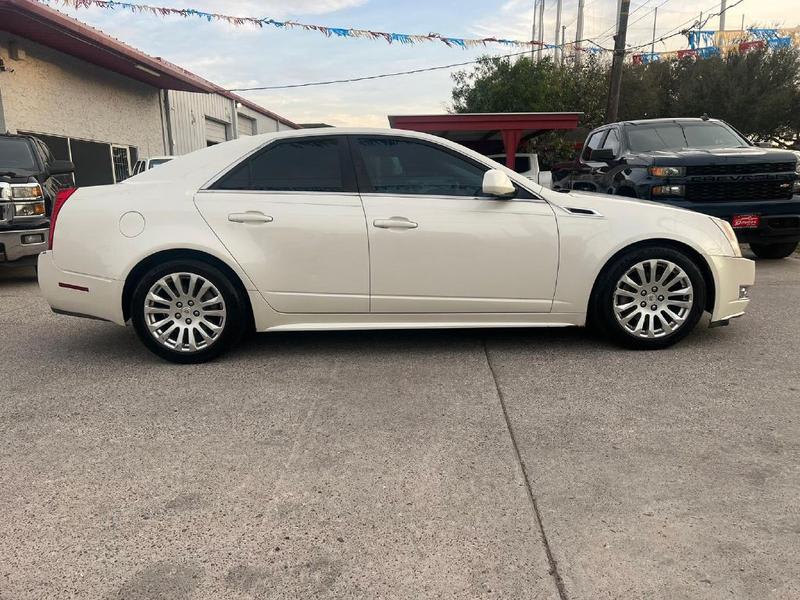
(121, 162)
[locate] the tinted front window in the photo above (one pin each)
(158, 161)
(396, 166)
(676, 136)
(16, 153)
(593, 143)
(311, 165)
(612, 142)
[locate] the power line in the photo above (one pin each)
(603, 36)
(697, 25)
(668, 35)
(368, 77)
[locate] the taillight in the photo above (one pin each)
(61, 199)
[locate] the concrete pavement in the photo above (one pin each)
(389, 464)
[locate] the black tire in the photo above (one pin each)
(772, 251)
(602, 314)
(233, 324)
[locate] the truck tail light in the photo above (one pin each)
(61, 199)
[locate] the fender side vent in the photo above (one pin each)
(587, 212)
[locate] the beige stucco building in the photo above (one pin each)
(103, 104)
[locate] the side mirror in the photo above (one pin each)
(601, 155)
(764, 145)
(61, 167)
(497, 183)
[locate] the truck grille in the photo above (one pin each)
(738, 191)
(740, 169)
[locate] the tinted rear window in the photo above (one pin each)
(16, 153)
(310, 165)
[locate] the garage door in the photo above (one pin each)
(247, 126)
(216, 132)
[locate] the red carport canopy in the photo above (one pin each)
(476, 128)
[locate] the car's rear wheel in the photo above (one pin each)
(649, 298)
(774, 250)
(187, 311)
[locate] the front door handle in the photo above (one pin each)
(395, 223)
(251, 216)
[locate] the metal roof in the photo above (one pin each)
(41, 24)
(480, 127)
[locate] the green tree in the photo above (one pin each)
(757, 92)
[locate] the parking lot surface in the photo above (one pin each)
(460, 464)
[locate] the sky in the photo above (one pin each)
(235, 57)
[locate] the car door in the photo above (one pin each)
(438, 245)
(291, 217)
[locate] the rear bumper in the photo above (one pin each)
(17, 244)
(731, 274)
(78, 294)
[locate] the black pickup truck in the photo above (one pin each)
(699, 164)
(28, 187)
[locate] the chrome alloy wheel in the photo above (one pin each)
(653, 298)
(185, 312)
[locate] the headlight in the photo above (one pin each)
(797, 181)
(729, 233)
(668, 190)
(667, 171)
(26, 191)
(29, 209)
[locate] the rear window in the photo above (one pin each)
(16, 153)
(677, 136)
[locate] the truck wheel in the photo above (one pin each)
(187, 311)
(649, 298)
(774, 250)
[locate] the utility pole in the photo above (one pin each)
(563, 42)
(723, 6)
(742, 22)
(558, 32)
(655, 20)
(541, 30)
(579, 34)
(533, 30)
(619, 8)
(616, 66)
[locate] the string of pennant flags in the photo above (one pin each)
(702, 43)
(341, 32)
(705, 44)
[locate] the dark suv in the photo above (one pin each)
(28, 187)
(699, 164)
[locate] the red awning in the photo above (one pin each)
(510, 128)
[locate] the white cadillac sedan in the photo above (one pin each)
(377, 229)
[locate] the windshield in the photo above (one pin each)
(158, 161)
(677, 136)
(16, 154)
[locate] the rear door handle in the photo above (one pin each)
(251, 216)
(395, 223)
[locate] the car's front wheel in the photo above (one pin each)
(187, 311)
(649, 298)
(774, 250)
